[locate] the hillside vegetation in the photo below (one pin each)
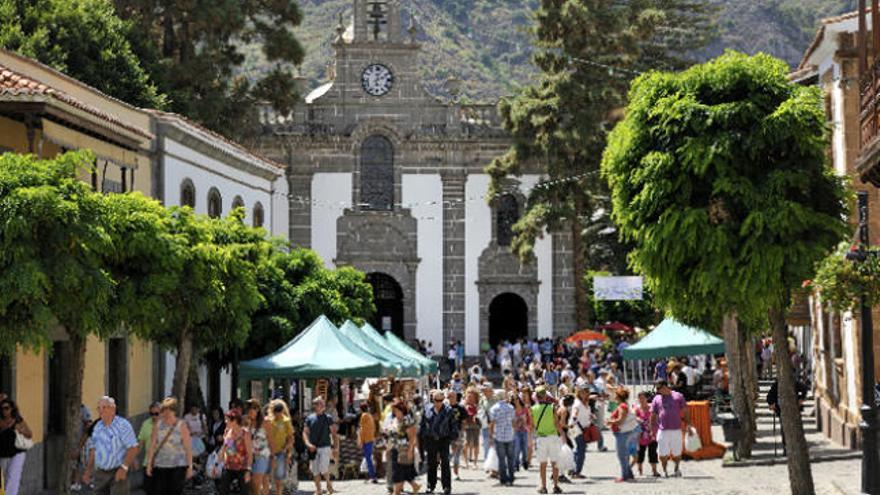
(485, 42)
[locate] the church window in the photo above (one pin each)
(377, 173)
(188, 194)
(259, 216)
(506, 215)
(215, 203)
(237, 202)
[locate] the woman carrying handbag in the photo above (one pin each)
(169, 458)
(15, 439)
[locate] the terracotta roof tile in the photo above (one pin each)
(16, 84)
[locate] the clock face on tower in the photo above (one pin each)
(377, 79)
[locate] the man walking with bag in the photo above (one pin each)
(439, 428)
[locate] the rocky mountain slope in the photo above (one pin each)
(485, 43)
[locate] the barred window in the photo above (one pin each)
(215, 203)
(506, 215)
(377, 173)
(188, 194)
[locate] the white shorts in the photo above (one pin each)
(669, 443)
(548, 449)
(321, 463)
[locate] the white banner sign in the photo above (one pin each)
(617, 288)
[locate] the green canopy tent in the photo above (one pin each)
(403, 348)
(320, 351)
(366, 342)
(672, 338)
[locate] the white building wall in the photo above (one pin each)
(423, 195)
(478, 225)
(182, 162)
(331, 195)
(279, 215)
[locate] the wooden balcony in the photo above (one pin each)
(868, 163)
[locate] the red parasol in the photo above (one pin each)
(616, 327)
(585, 335)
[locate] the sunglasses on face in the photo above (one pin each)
(154, 413)
(438, 400)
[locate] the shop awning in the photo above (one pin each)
(671, 338)
(319, 351)
(401, 347)
(405, 367)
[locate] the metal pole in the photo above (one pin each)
(868, 425)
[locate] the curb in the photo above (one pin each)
(729, 463)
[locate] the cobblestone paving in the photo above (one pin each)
(700, 478)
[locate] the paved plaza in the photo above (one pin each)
(706, 477)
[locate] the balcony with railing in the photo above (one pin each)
(868, 163)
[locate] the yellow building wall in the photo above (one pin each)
(13, 135)
(94, 377)
(140, 376)
(30, 384)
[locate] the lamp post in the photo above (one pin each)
(868, 425)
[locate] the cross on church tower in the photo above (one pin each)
(378, 14)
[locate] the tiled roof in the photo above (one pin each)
(218, 138)
(15, 84)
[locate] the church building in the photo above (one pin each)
(389, 179)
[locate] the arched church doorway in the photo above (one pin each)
(508, 318)
(388, 298)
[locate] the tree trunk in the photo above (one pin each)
(799, 473)
(72, 403)
(742, 380)
(181, 369)
(194, 386)
(583, 316)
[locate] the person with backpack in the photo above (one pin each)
(169, 460)
(548, 433)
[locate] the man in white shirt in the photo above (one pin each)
(690, 374)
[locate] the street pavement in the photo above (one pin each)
(703, 477)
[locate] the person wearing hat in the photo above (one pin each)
(579, 421)
(548, 440)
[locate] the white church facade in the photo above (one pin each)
(384, 177)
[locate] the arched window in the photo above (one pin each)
(377, 173)
(506, 214)
(259, 216)
(215, 203)
(237, 202)
(188, 194)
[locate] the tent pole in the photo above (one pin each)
(624, 372)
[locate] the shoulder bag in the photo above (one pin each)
(22, 442)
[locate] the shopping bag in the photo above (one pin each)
(213, 466)
(692, 442)
(363, 468)
(566, 459)
(491, 462)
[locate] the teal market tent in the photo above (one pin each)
(672, 338)
(405, 367)
(402, 347)
(319, 351)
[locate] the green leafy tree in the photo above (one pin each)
(52, 249)
(193, 50)
(82, 38)
(586, 51)
(296, 289)
(719, 178)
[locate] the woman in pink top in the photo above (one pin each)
(648, 437)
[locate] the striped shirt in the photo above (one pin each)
(503, 414)
(111, 442)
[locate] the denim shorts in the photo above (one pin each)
(261, 465)
(280, 472)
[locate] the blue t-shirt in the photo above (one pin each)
(551, 377)
(661, 370)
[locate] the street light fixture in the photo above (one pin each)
(868, 424)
